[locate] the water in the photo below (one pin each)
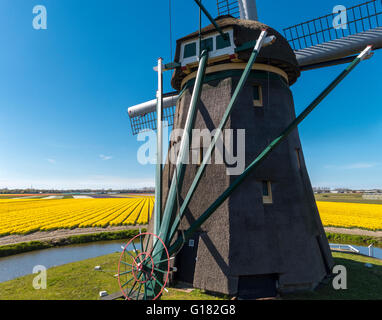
(22, 264)
(363, 250)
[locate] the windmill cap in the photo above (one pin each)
(279, 54)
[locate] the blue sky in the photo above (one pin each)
(64, 93)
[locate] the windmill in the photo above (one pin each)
(258, 232)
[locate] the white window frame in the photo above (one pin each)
(212, 54)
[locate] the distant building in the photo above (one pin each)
(321, 190)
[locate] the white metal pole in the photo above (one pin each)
(158, 176)
(151, 106)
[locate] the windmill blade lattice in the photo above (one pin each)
(230, 7)
(318, 40)
(148, 121)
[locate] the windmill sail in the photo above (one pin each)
(143, 116)
(335, 36)
(243, 9)
(230, 7)
(317, 43)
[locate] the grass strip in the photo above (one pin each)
(79, 281)
(354, 239)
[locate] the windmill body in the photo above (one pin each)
(268, 234)
(258, 232)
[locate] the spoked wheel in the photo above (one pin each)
(143, 275)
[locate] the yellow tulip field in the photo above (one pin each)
(22, 216)
(351, 215)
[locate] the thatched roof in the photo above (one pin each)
(280, 54)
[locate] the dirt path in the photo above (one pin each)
(359, 232)
(64, 233)
(59, 234)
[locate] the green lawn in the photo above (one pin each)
(344, 197)
(79, 281)
(363, 283)
(359, 240)
(7, 197)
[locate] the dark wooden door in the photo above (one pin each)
(258, 286)
(186, 260)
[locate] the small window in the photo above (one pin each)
(201, 154)
(207, 44)
(257, 96)
(222, 43)
(267, 192)
(191, 243)
(197, 151)
(298, 157)
(189, 50)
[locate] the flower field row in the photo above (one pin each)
(28, 215)
(351, 215)
(23, 216)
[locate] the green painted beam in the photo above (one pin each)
(246, 46)
(183, 150)
(171, 65)
(263, 155)
(223, 122)
(205, 11)
(249, 45)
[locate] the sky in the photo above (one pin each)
(64, 92)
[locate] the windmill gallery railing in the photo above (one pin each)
(359, 18)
